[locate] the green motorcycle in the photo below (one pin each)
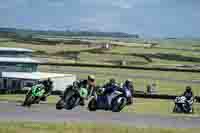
(34, 94)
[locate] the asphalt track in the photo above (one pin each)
(10, 111)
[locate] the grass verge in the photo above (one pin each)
(141, 78)
(13, 127)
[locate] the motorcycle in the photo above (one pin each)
(71, 98)
(114, 102)
(33, 95)
(182, 105)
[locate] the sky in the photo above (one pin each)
(151, 18)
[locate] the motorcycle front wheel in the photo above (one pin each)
(116, 106)
(72, 101)
(92, 106)
(28, 101)
(177, 109)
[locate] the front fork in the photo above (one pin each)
(27, 95)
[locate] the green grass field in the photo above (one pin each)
(46, 48)
(13, 127)
(174, 52)
(104, 74)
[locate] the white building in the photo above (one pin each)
(19, 70)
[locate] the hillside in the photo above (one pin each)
(24, 32)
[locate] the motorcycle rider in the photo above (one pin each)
(48, 86)
(128, 84)
(110, 87)
(89, 84)
(188, 93)
(38, 85)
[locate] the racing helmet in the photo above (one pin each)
(128, 82)
(91, 78)
(112, 81)
(188, 89)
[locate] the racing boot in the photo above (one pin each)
(82, 102)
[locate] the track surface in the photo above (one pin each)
(10, 111)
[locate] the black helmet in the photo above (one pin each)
(188, 89)
(112, 81)
(45, 82)
(49, 79)
(128, 81)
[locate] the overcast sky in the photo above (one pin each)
(154, 18)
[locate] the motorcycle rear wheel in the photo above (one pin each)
(28, 101)
(60, 104)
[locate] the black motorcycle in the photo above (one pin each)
(71, 98)
(33, 95)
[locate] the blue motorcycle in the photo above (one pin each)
(114, 102)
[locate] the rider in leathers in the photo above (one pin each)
(128, 85)
(48, 86)
(89, 84)
(188, 94)
(110, 87)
